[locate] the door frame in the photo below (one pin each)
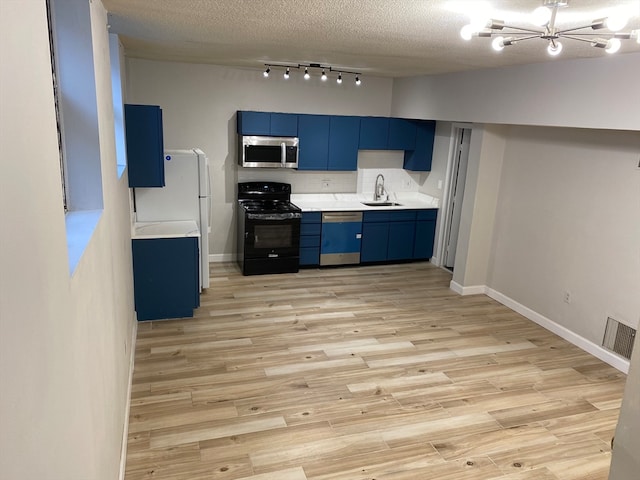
(445, 207)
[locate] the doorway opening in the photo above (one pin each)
(453, 208)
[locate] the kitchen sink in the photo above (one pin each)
(381, 204)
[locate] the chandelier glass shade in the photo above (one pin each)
(601, 33)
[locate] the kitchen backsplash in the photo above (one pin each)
(370, 164)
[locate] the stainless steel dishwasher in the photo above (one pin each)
(341, 238)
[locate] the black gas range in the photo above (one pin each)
(268, 228)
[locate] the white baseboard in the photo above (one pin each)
(470, 290)
(222, 257)
(587, 345)
(125, 431)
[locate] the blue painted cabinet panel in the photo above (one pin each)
(374, 133)
(425, 234)
(145, 147)
(254, 123)
(401, 238)
(284, 125)
(375, 240)
(402, 134)
(419, 159)
(313, 150)
(165, 277)
(310, 229)
(343, 143)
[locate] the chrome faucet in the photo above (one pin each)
(378, 190)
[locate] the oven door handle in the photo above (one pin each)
(283, 154)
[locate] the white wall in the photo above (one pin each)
(586, 93)
(199, 104)
(568, 219)
(64, 342)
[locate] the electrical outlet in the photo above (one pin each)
(407, 183)
(325, 184)
(567, 297)
(439, 184)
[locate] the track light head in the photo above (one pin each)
(266, 72)
(324, 76)
(306, 73)
(339, 80)
(358, 82)
(286, 74)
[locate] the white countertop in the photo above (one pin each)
(176, 229)
(310, 202)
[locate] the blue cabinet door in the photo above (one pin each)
(284, 125)
(419, 159)
(402, 134)
(401, 238)
(343, 143)
(313, 150)
(374, 133)
(145, 148)
(375, 240)
(254, 123)
(425, 234)
(165, 277)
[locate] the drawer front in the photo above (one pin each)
(431, 214)
(310, 229)
(310, 256)
(309, 241)
(311, 217)
(379, 216)
(402, 216)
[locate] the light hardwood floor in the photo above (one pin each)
(364, 373)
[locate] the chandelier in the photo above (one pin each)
(545, 17)
(311, 66)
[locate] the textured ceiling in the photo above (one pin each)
(395, 38)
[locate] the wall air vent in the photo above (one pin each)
(619, 338)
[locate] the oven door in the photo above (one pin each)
(272, 238)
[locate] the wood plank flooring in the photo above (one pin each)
(364, 373)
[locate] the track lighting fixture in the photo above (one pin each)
(544, 17)
(325, 70)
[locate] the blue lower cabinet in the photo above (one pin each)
(375, 241)
(165, 277)
(401, 239)
(310, 229)
(425, 234)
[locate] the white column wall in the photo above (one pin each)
(65, 342)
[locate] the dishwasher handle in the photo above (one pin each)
(341, 217)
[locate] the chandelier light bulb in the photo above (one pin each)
(286, 74)
(358, 82)
(266, 72)
(554, 50)
(613, 45)
(616, 22)
(541, 16)
(339, 80)
(498, 44)
(324, 76)
(306, 74)
(467, 32)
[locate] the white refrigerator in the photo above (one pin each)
(185, 196)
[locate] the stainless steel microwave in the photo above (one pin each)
(270, 152)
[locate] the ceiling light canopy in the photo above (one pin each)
(325, 69)
(544, 17)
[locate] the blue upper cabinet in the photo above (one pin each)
(266, 123)
(402, 134)
(343, 143)
(419, 159)
(145, 147)
(313, 132)
(374, 133)
(284, 125)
